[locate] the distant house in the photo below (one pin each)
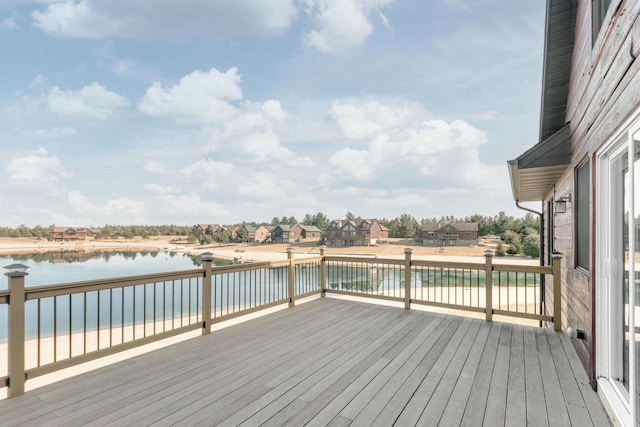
(233, 230)
(449, 234)
(200, 230)
(310, 232)
(301, 232)
(363, 232)
(281, 233)
(249, 231)
(262, 234)
(70, 234)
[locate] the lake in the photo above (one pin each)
(47, 268)
(73, 266)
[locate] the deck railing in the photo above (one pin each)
(62, 325)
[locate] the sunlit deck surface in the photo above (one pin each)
(337, 362)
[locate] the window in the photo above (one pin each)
(550, 225)
(598, 12)
(581, 212)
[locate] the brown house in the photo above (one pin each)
(200, 230)
(449, 234)
(64, 234)
(584, 170)
(364, 232)
(301, 232)
(281, 233)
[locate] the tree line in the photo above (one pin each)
(520, 235)
(106, 232)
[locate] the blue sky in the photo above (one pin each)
(154, 112)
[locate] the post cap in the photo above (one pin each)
(289, 249)
(16, 270)
(408, 250)
(488, 253)
(206, 257)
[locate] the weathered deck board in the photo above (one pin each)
(333, 362)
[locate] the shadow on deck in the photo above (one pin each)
(331, 361)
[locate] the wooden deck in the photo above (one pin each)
(335, 362)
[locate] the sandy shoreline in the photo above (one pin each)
(248, 252)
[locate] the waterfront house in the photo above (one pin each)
(584, 170)
(449, 234)
(310, 232)
(261, 234)
(363, 232)
(70, 234)
(281, 233)
(200, 230)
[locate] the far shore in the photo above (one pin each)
(248, 252)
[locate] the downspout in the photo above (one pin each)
(541, 250)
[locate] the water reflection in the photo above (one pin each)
(80, 256)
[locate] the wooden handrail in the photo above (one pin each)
(476, 276)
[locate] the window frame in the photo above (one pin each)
(582, 221)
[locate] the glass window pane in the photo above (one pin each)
(582, 207)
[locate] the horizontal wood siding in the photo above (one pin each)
(603, 92)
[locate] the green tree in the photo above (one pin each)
(321, 221)
(531, 245)
(222, 236)
(242, 235)
(500, 250)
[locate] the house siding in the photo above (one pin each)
(602, 94)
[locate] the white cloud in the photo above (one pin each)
(400, 140)
(50, 133)
(210, 173)
(159, 189)
(37, 170)
(364, 118)
(154, 166)
(265, 147)
(9, 23)
(93, 101)
(81, 204)
(190, 205)
(126, 211)
(354, 163)
(165, 19)
(198, 97)
(342, 24)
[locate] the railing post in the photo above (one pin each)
(16, 274)
(488, 288)
(557, 293)
(323, 273)
(207, 260)
(407, 278)
(291, 281)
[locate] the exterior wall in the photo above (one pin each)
(602, 93)
(312, 235)
(261, 234)
(296, 231)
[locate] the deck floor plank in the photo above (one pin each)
(497, 398)
(537, 414)
(370, 412)
(477, 402)
(394, 407)
(455, 406)
(516, 410)
(332, 362)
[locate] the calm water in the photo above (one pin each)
(72, 266)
